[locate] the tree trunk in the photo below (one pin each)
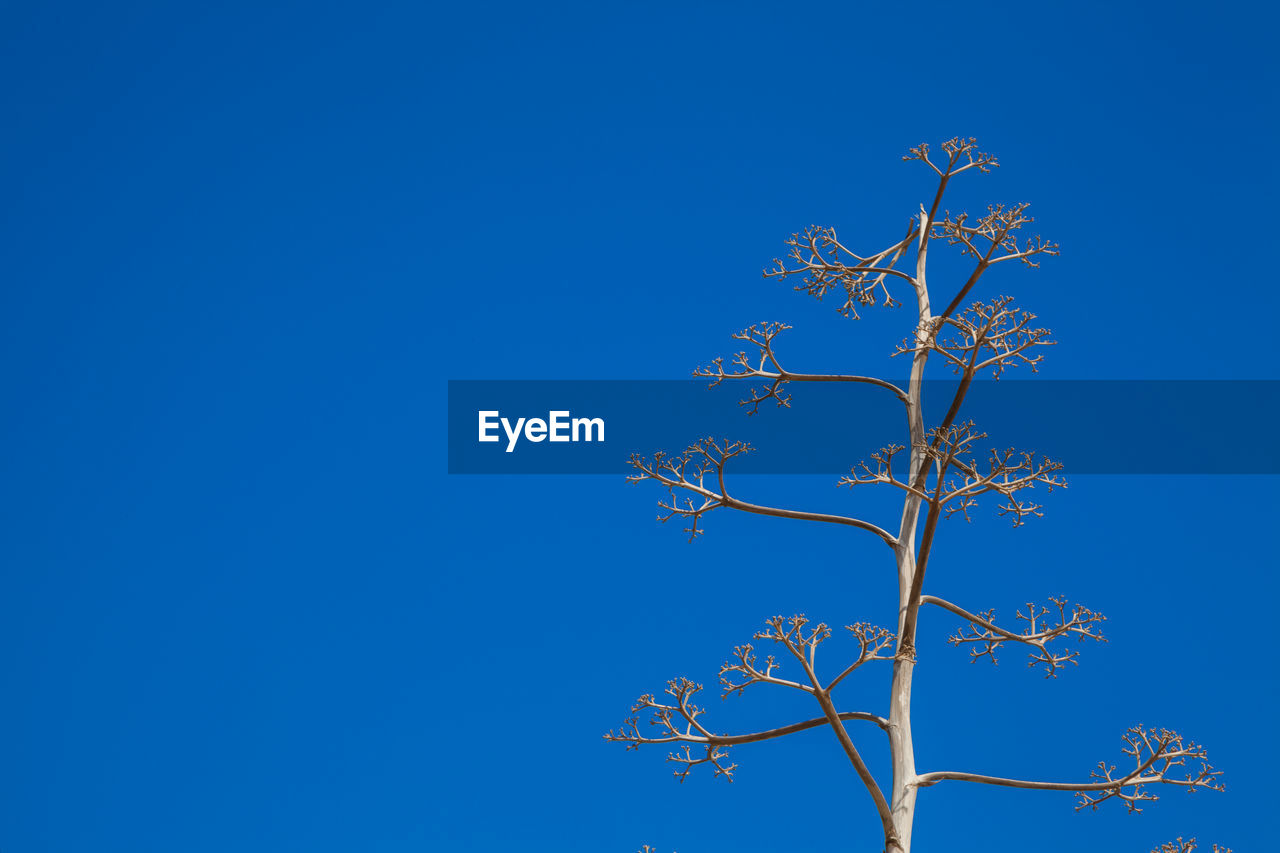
(902, 800)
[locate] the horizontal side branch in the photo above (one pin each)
(839, 377)
(984, 636)
(769, 734)
(975, 619)
(701, 465)
(765, 365)
(734, 503)
(1160, 757)
(933, 778)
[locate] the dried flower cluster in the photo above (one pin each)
(687, 474)
(764, 364)
(1180, 846)
(962, 155)
(985, 637)
(761, 336)
(678, 722)
(1159, 756)
(695, 482)
(986, 335)
(816, 254)
(959, 479)
(992, 237)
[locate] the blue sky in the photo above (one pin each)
(244, 607)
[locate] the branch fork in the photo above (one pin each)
(678, 721)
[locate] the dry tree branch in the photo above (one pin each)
(992, 237)
(863, 474)
(962, 155)
(951, 449)
(761, 336)
(872, 640)
(816, 253)
(802, 644)
(1006, 472)
(699, 472)
(1180, 846)
(737, 677)
(984, 336)
(630, 734)
(995, 229)
(1156, 754)
(1038, 633)
(679, 723)
(765, 365)
(1160, 757)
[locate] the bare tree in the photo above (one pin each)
(940, 471)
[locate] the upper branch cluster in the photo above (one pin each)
(992, 237)
(962, 155)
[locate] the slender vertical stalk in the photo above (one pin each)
(903, 799)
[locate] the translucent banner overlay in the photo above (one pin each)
(1091, 426)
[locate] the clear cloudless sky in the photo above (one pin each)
(243, 247)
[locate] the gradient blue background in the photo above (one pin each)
(244, 246)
